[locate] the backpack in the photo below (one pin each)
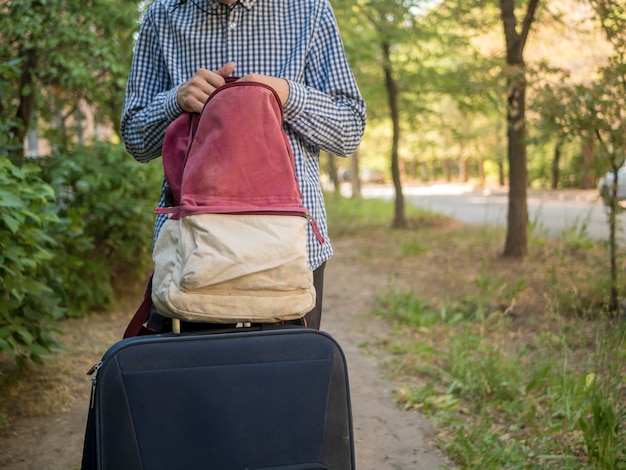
(233, 249)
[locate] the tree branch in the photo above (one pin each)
(528, 21)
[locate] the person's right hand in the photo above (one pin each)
(196, 91)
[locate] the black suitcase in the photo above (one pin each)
(272, 399)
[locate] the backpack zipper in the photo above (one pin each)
(307, 215)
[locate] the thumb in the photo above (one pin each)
(226, 70)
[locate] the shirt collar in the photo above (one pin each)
(247, 3)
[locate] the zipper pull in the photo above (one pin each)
(315, 227)
(94, 368)
(94, 378)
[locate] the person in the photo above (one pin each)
(186, 49)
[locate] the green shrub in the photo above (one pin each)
(106, 204)
(27, 304)
(70, 227)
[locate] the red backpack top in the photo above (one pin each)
(245, 166)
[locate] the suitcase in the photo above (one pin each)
(266, 399)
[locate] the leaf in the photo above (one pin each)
(12, 223)
(25, 335)
(9, 199)
(4, 332)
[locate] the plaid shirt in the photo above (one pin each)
(297, 40)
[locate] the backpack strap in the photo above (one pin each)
(136, 325)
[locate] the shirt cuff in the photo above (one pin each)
(170, 104)
(296, 102)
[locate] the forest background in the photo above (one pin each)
(520, 94)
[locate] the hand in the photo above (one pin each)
(280, 85)
(196, 91)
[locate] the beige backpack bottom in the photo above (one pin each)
(226, 268)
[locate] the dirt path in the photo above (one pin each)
(386, 437)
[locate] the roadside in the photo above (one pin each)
(589, 196)
(386, 436)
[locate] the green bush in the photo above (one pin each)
(105, 201)
(28, 305)
(71, 226)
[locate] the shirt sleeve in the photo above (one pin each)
(150, 103)
(328, 110)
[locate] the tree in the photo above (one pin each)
(601, 112)
(383, 23)
(399, 221)
(394, 46)
(516, 244)
(355, 179)
(605, 115)
(67, 51)
(595, 111)
(514, 71)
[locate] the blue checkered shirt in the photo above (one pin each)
(297, 40)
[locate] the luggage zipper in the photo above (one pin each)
(94, 377)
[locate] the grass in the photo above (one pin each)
(515, 361)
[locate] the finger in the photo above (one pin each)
(207, 81)
(193, 94)
(280, 85)
(226, 70)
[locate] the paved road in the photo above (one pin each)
(552, 212)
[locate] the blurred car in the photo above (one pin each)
(604, 185)
(368, 175)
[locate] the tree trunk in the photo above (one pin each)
(588, 155)
(465, 169)
(447, 170)
(399, 220)
(481, 170)
(516, 245)
(612, 215)
(424, 174)
(26, 105)
(355, 175)
(332, 172)
(556, 160)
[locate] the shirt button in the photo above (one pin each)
(232, 25)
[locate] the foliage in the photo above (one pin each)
(447, 60)
(8, 72)
(67, 52)
(503, 357)
(28, 304)
(603, 416)
(527, 408)
(595, 111)
(399, 45)
(106, 206)
(72, 229)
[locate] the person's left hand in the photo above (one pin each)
(280, 85)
